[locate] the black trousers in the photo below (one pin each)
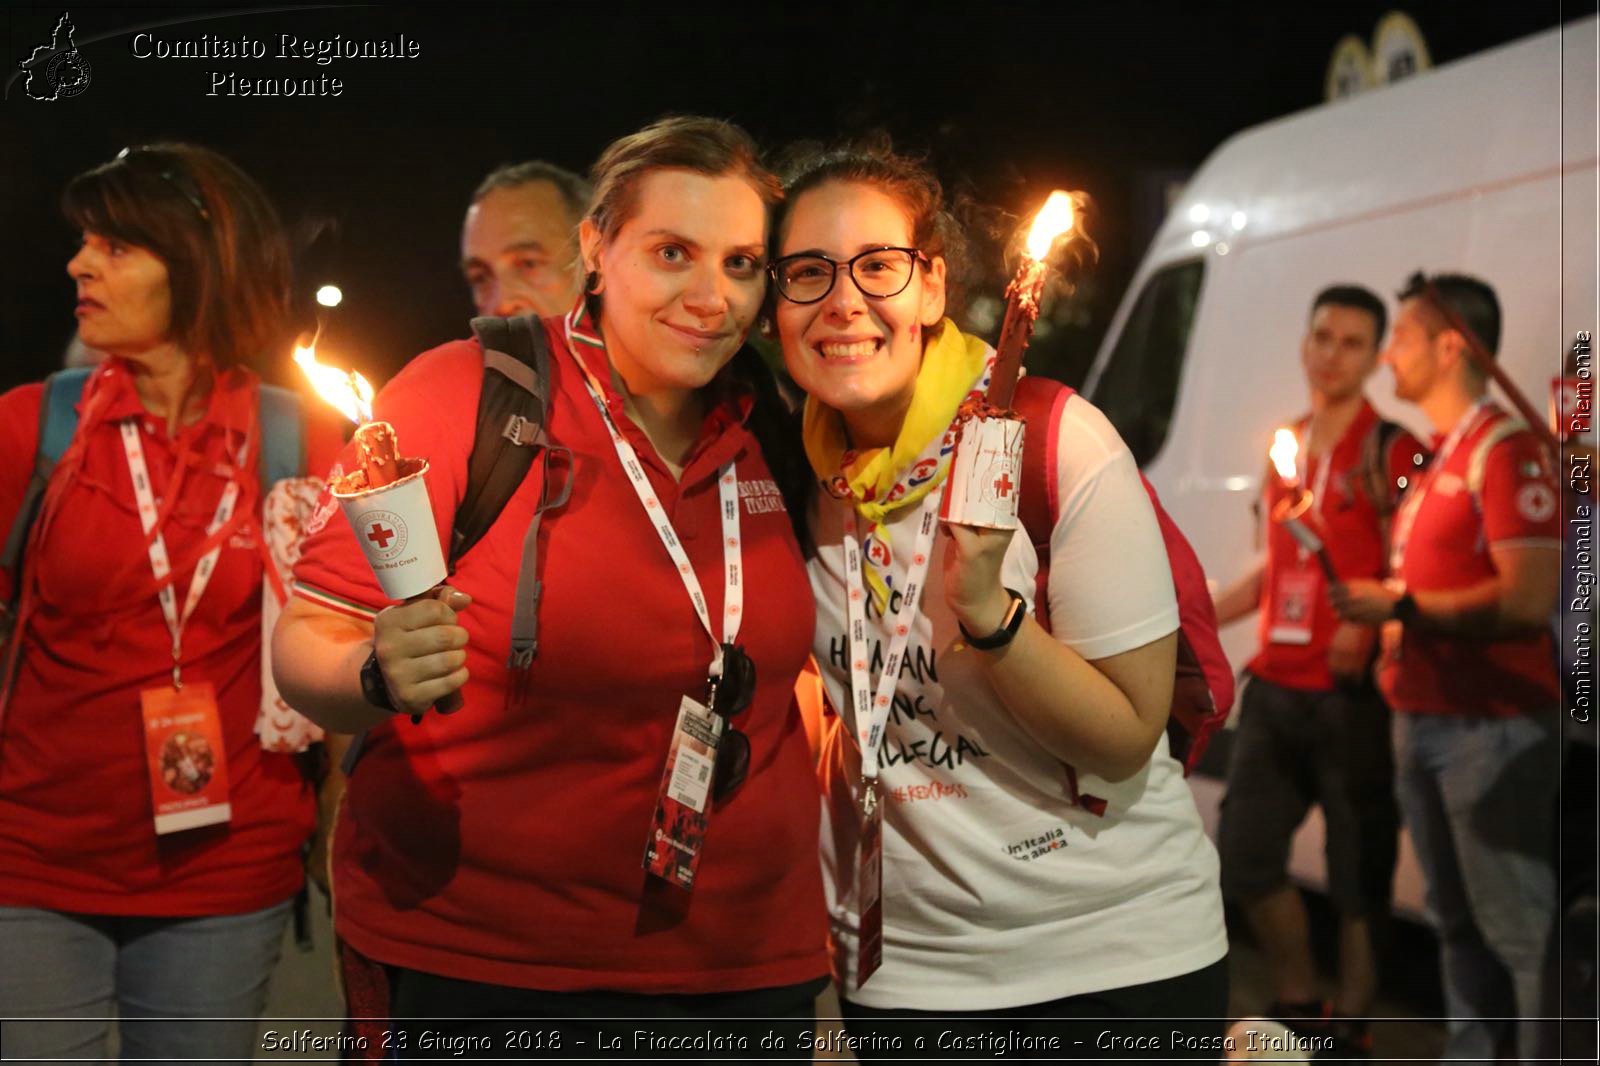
(1178, 1019)
(445, 1018)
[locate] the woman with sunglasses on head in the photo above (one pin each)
(491, 859)
(147, 867)
(1002, 899)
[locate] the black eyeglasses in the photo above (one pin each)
(877, 272)
(731, 695)
(181, 182)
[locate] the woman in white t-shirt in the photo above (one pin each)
(1004, 896)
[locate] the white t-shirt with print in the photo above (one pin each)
(996, 891)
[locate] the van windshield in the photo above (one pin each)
(1139, 386)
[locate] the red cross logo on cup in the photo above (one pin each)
(385, 534)
(1004, 486)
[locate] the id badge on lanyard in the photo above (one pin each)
(869, 884)
(1294, 605)
(872, 710)
(688, 782)
(184, 744)
(1296, 591)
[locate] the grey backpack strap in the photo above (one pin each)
(525, 616)
(511, 439)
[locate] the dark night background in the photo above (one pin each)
(1118, 99)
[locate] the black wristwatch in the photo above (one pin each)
(374, 687)
(1405, 609)
(1008, 626)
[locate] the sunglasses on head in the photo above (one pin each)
(181, 183)
(731, 695)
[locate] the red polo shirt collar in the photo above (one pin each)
(731, 404)
(1356, 431)
(230, 406)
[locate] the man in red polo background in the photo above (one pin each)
(1468, 667)
(1312, 728)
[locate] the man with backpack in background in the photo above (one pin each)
(1312, 727)
(519, 240)
(1468, 667)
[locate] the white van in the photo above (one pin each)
(1485, 166)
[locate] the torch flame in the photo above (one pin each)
(1053, 219)
(346, 390)
(1284, 451)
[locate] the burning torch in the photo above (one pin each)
(1292, 508)
(986, 468)
(385, 498)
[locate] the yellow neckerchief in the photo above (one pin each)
(879, 481)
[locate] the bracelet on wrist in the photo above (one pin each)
(1008, 626)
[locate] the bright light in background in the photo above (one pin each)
(1199, 213)
(1200, 238)
(1237, 220)
(329, 296)
(1222, 247)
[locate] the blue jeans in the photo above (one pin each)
(65, 973)
(1479, 796)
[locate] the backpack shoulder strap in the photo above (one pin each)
(58, 412)
(1040, 401)
(1375, 448)
(512, 412)
(58, 421)
(1480, 454)
(283, 438)
(512, 409)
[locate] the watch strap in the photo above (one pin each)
(373, 686)
(1008, 626)
(1405, 608)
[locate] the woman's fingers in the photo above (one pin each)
(421, 649)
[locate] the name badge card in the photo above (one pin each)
(869, 887)
(187, 758)
(682, 806)
(1295, 606)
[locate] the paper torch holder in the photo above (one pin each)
(1289, 511)
(985, 474)
(395, 527)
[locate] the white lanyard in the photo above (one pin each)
(1413, 501)
(727, 494)
(872, 710)
(160, 564)
(1321, 487)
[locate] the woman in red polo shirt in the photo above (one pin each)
(149, 846)
(495, 860)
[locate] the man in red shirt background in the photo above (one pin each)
(1312, 728)
(1468, 668)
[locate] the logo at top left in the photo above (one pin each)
(57, 70)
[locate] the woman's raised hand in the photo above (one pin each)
(422, 651)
